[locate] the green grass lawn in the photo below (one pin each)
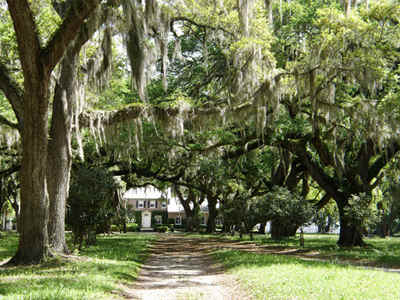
(268, 276)
(100, 271)
(277, 276)
(378, 252)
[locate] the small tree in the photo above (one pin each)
(285, 208)
(91, 203)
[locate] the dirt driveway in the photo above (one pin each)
(181, 267)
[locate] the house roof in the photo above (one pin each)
(151, 193)
(145, 193)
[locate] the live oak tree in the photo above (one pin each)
(344, 90)
(256, 174)
(250, 76)
(30, 103)
(67, 104)
(334, 93)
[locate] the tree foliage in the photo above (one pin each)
(91, 203)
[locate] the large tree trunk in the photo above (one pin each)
(59, 153)
(33, 243)
(37, 65)
(189, 216)
(212, 214)
(280, 230)
(350, 234)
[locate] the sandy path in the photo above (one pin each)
(182, 268)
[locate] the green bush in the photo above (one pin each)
(91, 204)
(114, 227)
(138, 217)
(132, 227)
(161, 228)
(171, 227)
(202, 228)
(171, 221)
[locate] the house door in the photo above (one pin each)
(146, 219)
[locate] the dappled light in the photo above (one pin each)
(263, 134)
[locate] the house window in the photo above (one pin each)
(140, 204)
(158, 219)
(178, 220)
(203, 220)
(152, 204)
(163, 204)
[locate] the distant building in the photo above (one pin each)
(154, 207)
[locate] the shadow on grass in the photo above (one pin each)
(288, 277)
(232, 259)
(54, 287)
(378, 252)
(99, 272)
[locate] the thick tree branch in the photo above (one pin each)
(324, 201)
(25, 30)
(246, 148)
(93, 23)
(111, 117)
(5, 121)
(385, 157)
(13, 92)
(323, 151)
(316, 172)
(146, 172)
(78, 12)
(9, 171)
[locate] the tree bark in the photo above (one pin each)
(350, 234)
(212, 214)
(59, 152)
(33, 242)
(59, 148)
(37, 64)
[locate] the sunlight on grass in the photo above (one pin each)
(268, 276)
(98, 273)
(378, 252)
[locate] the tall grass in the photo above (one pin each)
(99, 272)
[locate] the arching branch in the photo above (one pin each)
(13, 92)
(78, 12)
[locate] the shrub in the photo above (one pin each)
(162, 228)
(132, 227)
(114, 228)
(91, 204)
(286, 210)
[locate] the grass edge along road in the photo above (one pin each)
(272, 276)
(100, 272)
